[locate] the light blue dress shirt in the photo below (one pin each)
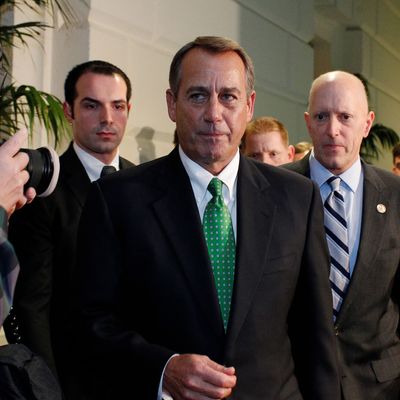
(352, 188)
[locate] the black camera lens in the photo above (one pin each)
(43, 168)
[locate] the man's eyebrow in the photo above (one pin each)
(196, 89)
(205, 89)
(92, 100)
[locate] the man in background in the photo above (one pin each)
(97, 96)
(206, 276)
(301, 149)
(362, 216)
(266, 139)
(396, 159)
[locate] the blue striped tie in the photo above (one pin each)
(337, 238)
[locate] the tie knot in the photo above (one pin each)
(215, 187)
(107, 170)
(334, 183)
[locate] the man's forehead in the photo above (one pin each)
(337, 96)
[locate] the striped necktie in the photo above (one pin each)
(337, 238)
(218, 231)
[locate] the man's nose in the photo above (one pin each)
(213, 112)
(333, 127)
(106, 115)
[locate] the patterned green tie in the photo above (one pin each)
(218, 232)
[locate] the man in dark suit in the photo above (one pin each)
(367, 313)
(97, 98)
(154, 310)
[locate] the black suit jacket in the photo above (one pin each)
(367, 325)
(148, 291)
(44, 236)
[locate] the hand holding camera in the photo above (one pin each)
(25, 173)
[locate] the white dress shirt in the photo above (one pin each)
(92, 165)
(199, 179)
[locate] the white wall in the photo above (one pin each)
(141, 37)
(290, 42)
(364, 37)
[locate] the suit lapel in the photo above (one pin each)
(372, 234)
(74, 175)
(177, 212)
(255, 219)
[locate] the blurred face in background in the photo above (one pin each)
(269, 148)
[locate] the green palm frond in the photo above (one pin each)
(26, 103)
(380, 137)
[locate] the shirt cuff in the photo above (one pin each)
(162, 394)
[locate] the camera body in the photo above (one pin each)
(43, 168)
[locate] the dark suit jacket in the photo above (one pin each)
(367, 325)
(148, 291)
(44, 236)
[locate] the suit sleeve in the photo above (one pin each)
(8, 268)
(30, 233)
(311, 329)
(105, 335)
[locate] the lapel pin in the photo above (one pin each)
(381, 208)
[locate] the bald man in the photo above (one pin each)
(365, 274)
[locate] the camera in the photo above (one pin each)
(43, 168)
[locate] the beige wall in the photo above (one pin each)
(290, 42)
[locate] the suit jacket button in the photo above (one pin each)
(336, 331)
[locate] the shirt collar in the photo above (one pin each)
(92, 165)
(351, 177)
(200, 177)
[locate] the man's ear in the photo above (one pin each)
(291, 152)
(250, 105)
(171, 104)
(307, 118)
(68, 111)
(368, 123)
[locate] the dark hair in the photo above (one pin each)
(213, 44)
(96, 67)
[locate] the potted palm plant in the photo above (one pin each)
(25, 104)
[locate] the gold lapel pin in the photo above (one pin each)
(381, 208)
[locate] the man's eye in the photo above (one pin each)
(197, 97)
(120, 106)
(321, 117)
(90, 106)
(228, 97)
(346, 116)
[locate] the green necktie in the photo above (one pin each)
(218, 232)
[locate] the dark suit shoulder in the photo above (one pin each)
(280, 174)
(380, 176)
